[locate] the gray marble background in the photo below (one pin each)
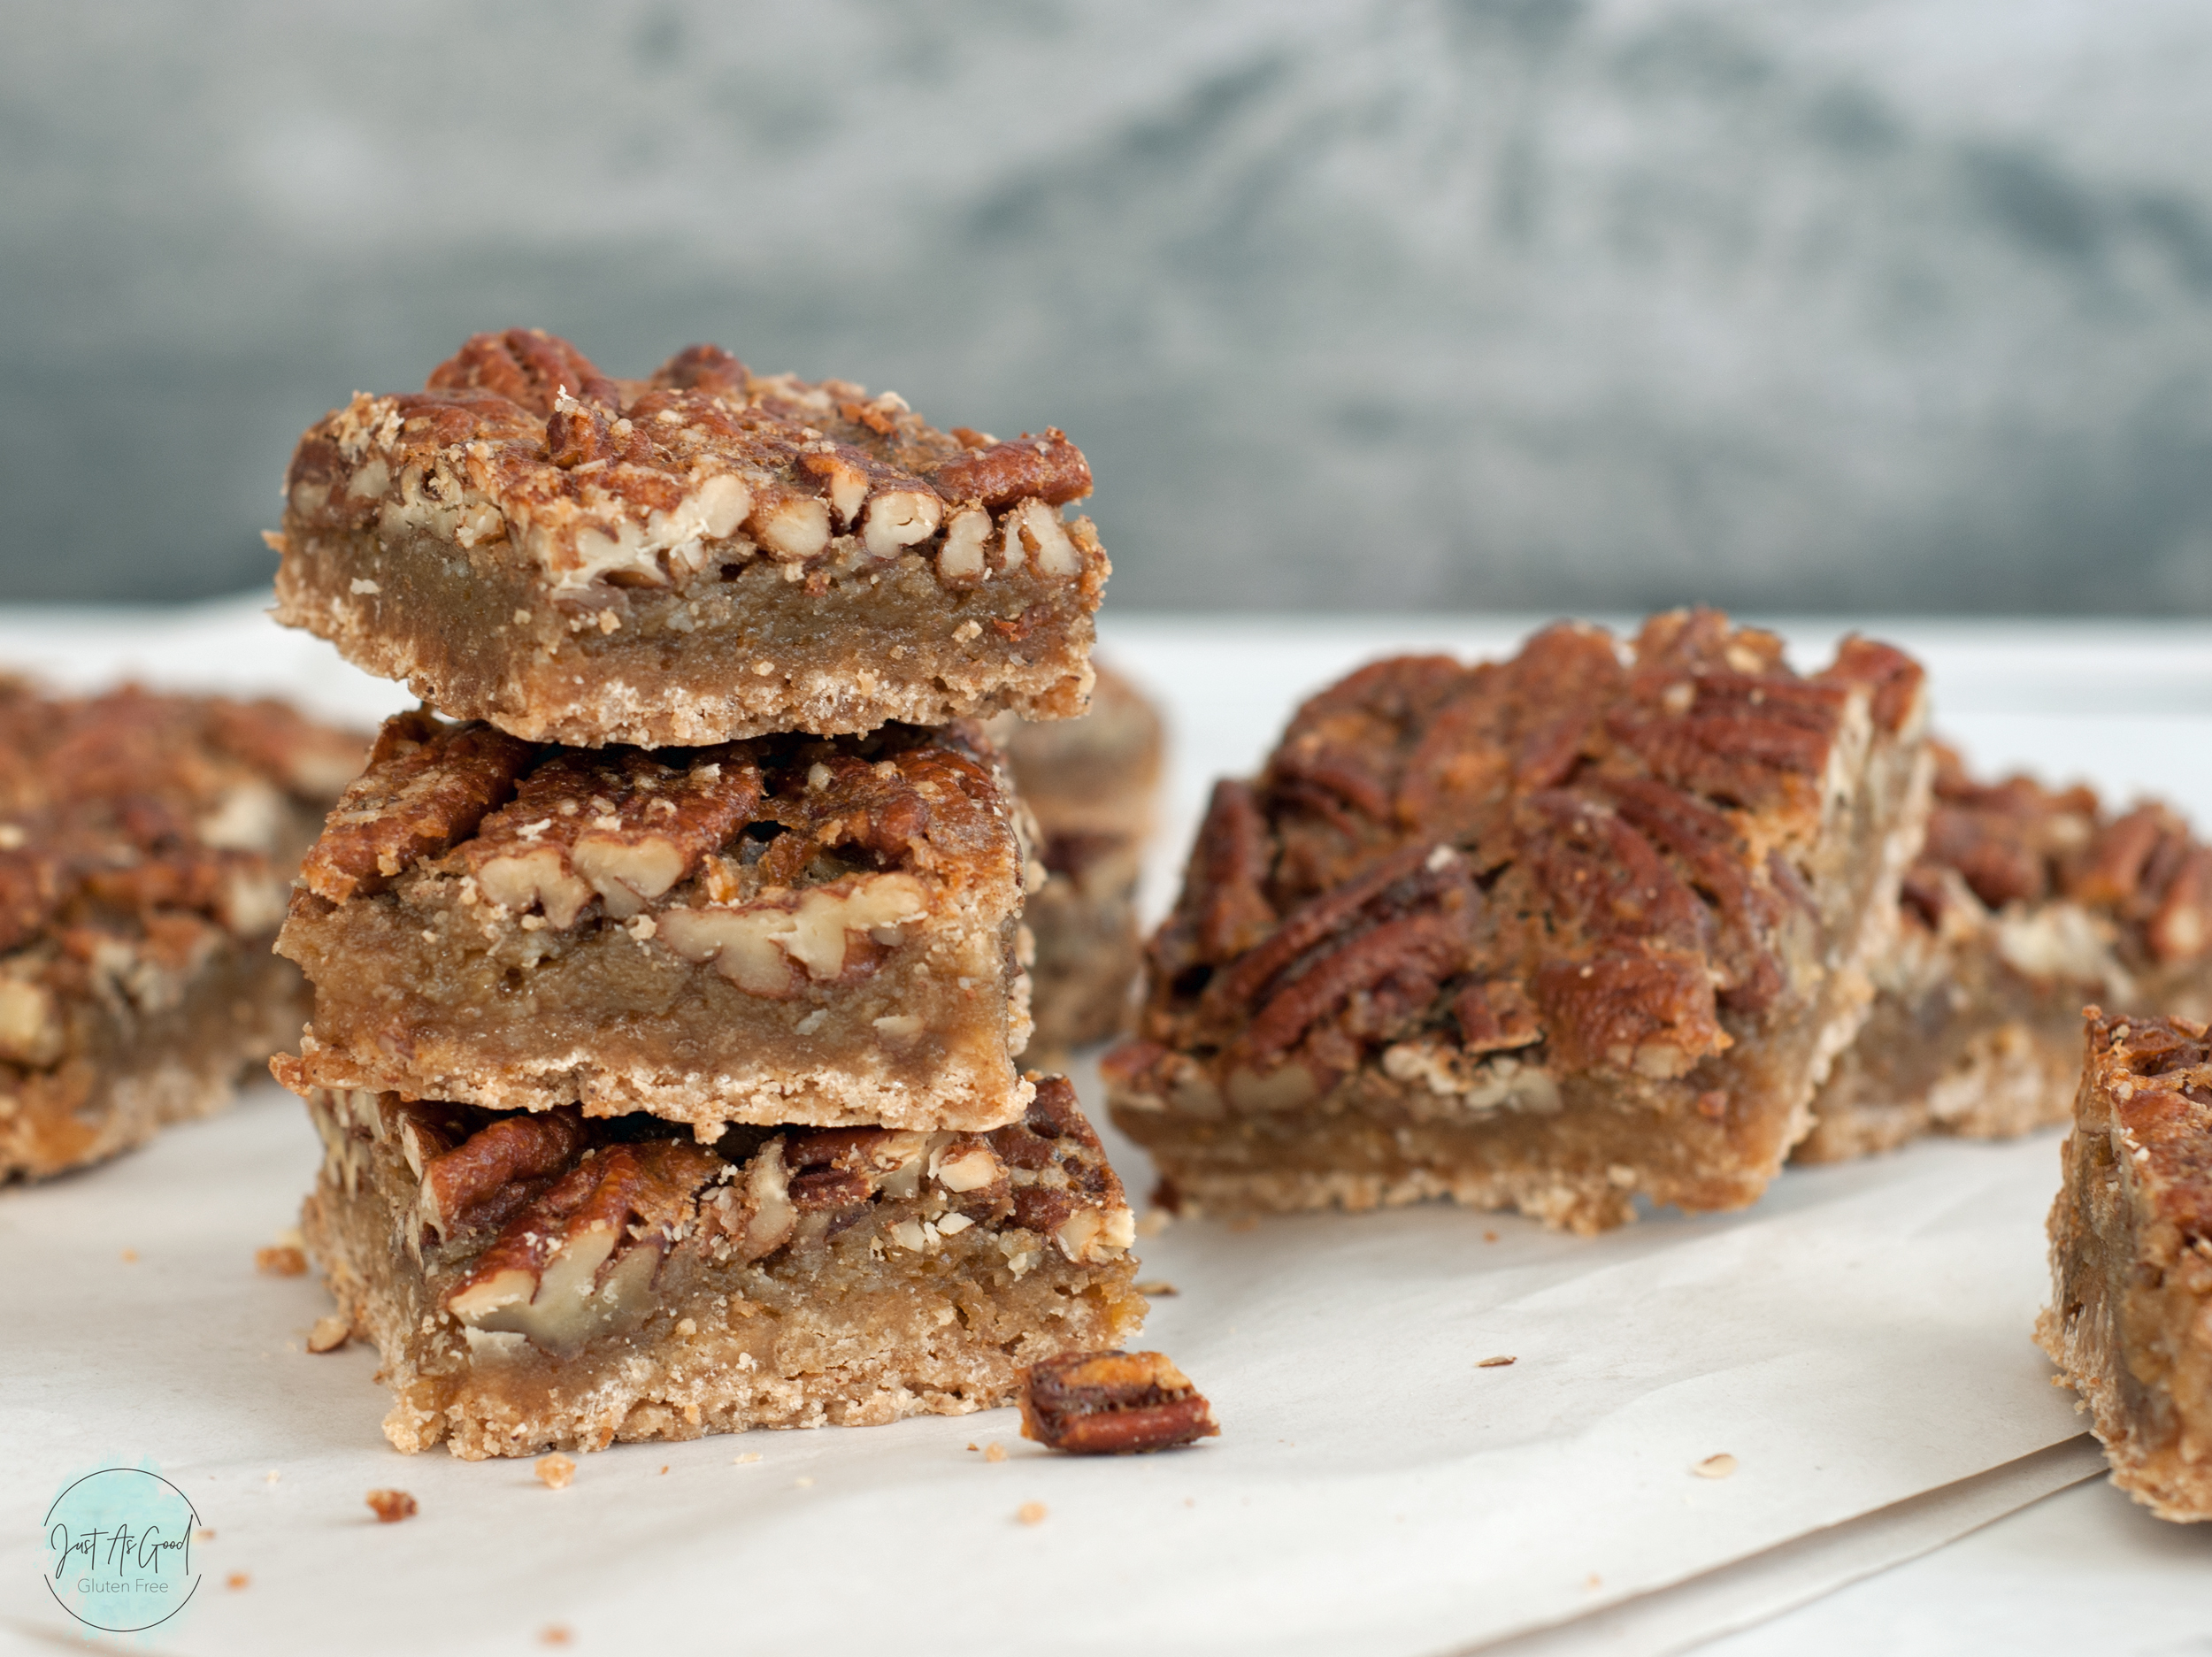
(1792, 304)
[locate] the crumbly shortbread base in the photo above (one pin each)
(1574, 1151)
(972, 1099)
(133, 1073)
(750, 656)
(2130, 1329)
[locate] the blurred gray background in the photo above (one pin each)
(1792, 304)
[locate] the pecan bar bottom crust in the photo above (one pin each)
(1555, 934)
(539, 1282)
(131, 1069)
(2129, 1325)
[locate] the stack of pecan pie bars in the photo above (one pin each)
(670, 979)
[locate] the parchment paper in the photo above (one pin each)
(1856, 1339)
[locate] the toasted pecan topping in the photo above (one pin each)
(118, 807)
(497, 1169)
(1048, 468)
(705, 368)
(1112, 1403)
(2016, 841)
(1587, 847)
(553, 1226)
(619, 823)
(830, 836)
(428, 784)
(576, 1260)
(520, 438)
(526, 366)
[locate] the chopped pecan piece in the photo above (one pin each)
(1112, 1403)
(1048, 468)
(496, 1170)
(527, 367)
(428, 784)
(391, 1506)
(615, 823)
(576, 1262)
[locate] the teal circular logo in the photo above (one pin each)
(119, 1549)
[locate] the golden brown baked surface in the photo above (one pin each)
(2130, 1323)
(1548, 932)
(705, 555)
(2025, 902)
(146, 842)
(782, 930)
(546, 1281)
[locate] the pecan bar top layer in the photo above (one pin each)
(788, 929)
(2130, 1323)
(146, 844)
(2025, 902)
(706, 555)
(543, 1281)
(1596, 918)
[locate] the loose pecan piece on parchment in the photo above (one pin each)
(1112, 1403)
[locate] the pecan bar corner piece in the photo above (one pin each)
(2130, 1323)
(706, 555)
(2025, 901)
(784, 930)
(146, 844)
(543, 1281)
(1552, 934)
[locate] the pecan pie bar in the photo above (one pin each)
(785, 930)
(2024, 904)
(2130, 1323)
(1551, 933)
(1091, 782)
(146, 843)
(706, 555)
(544, 1281)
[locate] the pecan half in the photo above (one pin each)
(428, 784)
(1060, 1185)
(703, 368)
(1112, 1403)
(617, 824)
(1649, 1011)
(840, 1168)
(485, 1178)
(527, 367)
(577, 1262)
(1049, 469)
